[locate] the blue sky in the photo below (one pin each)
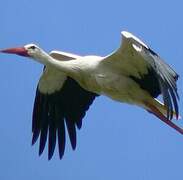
(117, 141)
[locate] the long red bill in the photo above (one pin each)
(19, 51)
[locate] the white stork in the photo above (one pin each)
(132, 74)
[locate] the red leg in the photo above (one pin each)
(158, 114)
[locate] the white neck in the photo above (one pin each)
(70, 67)
(79, 69)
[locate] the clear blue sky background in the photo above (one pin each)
(117, 141)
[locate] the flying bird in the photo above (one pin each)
(132, 74)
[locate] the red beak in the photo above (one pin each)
(19, 51)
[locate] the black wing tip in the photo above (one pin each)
(51, 150)
(176, 77)
(72, 133)
(35, 137)
(61, 157)
(61, 153)
(50, 153)
(79, 124)
(50, 156)
(73, 144)
(61, 139)
(41, 151)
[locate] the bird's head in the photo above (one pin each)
(29, 50)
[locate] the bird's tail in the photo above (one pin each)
(157, 108)
(163, 109)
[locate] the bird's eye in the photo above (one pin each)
(32, 47)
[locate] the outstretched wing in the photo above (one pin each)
(139, 62)
(60, 101)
